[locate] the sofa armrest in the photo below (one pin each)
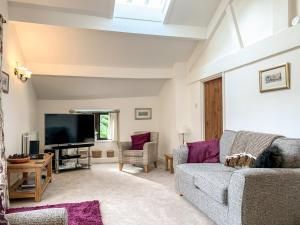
(258, 196)
(55, 216)
(150, 152)
(180, 156)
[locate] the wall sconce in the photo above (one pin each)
(22, 73)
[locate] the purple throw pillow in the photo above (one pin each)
(139, 140)
(204, 152)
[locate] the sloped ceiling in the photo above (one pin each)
(62, 37)
(66, 88)
(182, 12)
(71, 46)
(101, 8)
(192, 12)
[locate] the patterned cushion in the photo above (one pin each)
(190, 170)
(135, 153)
(54, 216)
(214, 184)
(290, 151)
(226, 142)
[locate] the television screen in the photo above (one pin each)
(69, 128)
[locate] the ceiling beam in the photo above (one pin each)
(97, 71)
(46, 15)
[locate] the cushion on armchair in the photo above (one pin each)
(203, 152)
(139, 140)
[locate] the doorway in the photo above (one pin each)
(213, 112)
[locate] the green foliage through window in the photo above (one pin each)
(104, 124)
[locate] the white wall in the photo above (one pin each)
(173, 114)
(167, 118)
(19, 106)
(241, 29)
(128, 124)
(248, 109)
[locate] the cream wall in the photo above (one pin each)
(167, 118)
(250, 36)
(19, 106)
(173, 113)
(276, 112)
(128, 125)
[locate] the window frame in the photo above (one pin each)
(98, 126)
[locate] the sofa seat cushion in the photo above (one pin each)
(193, 168)
(214, 184)
(133, 153)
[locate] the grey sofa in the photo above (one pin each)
(55, 216)
(144, 157)
(252, 196)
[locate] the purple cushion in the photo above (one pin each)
(139, 140)
(204, 152)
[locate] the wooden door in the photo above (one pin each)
(213, 109)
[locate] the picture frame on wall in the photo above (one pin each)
(276, 78)
(5, 82)
(143, 113)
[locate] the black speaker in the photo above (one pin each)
(34, 147)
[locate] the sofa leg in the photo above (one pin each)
(121, 166)
(155, 164)
(146, 168)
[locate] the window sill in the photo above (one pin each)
(103, 141)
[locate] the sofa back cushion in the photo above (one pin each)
(290, 150)
(203, 152)
(226, 143)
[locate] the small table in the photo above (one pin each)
(169, 162)
(33, 166)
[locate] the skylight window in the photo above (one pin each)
(150, 10)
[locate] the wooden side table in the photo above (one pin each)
(33, 166)
(169, 162)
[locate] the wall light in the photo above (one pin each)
(22, 73)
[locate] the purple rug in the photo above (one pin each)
(83, 213)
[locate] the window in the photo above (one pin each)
(102, 126)
(150, 10)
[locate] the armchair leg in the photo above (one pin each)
(121, 166)
(146, 168)
(155, 164)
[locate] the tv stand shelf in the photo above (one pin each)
(58, 157)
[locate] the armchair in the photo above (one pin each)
(144, 157)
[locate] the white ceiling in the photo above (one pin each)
(70, 46)
(65, 88)
(61, 37)
(192, 12)
(101, 8)
(182, 12)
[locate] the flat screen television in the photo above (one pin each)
(69, 129)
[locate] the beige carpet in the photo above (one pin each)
(127, 198)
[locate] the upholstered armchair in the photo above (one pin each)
(144, 157)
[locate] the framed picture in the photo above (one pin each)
(275, 78)
(5, 82)
(143, 113)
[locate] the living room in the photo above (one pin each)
(220, 76)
